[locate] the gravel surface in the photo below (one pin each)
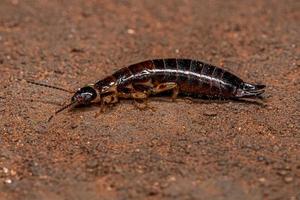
(207, 150)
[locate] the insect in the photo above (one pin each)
(152, 77)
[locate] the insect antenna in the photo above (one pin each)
(48, 86)
(61, 109)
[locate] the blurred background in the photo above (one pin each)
(212, 150)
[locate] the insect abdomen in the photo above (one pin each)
(192, 77)
(195, 77)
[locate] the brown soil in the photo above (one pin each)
(208, 150)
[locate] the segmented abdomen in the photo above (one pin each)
(196, 77)
(193, 77)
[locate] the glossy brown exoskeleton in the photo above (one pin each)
(151, 77)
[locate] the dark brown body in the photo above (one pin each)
(183, 76)
(139, 81)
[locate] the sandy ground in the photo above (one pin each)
(208, 150)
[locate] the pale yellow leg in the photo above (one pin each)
(162, 87)
(137, 96)
(106, 100)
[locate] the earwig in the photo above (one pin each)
(152, 77)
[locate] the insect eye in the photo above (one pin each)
(86, 96)
(88, 93)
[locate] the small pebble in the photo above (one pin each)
(5, 170)
(288, 179)
(172, 178)
(13, 172)
(262, 180)
(130, 31)
(8, 181)
(137, 150)
(282, 172)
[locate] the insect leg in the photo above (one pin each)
(140, 100)
(107, 99)
(162, 87)
(136, 96)
(111, 98)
